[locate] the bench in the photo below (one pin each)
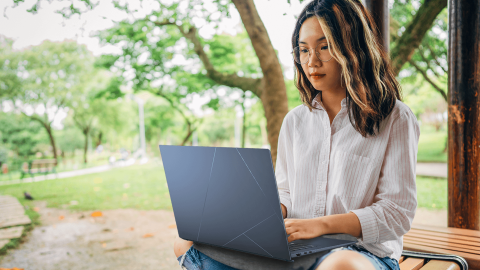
(424, 245)
(39, 166)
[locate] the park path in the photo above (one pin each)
(432, 169)
(119, 239)
(68, 174)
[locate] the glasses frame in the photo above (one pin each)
(309, 54)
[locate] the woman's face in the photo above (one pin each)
(324, 76)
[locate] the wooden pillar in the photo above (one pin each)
(380, 13)
(464, 114)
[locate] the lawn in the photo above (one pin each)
(137, 187)
(431, 145)
(144, 187)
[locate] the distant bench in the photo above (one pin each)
(39, 166)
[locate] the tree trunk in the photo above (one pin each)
(244, 120)
(189, 133)
(50, 136)
(85, 147)
(416, 29)
(274, 94)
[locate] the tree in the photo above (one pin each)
(49, 75)
(269, 87)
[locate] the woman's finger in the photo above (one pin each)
(293, 237)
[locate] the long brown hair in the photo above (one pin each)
(354, 42)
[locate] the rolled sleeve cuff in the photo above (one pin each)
(369, 225)
(287, 203)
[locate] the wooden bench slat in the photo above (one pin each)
(472, 259)
(452, 247)
(448, 230)
(401, 259)
(425, 234)
(412, 264)
(445, 240)
(440, 265)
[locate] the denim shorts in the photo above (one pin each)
(196, 260)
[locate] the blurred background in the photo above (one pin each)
(89, 89)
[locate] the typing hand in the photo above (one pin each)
(303, 228)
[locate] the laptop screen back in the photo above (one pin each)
(226, 197)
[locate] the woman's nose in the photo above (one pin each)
(313, 60)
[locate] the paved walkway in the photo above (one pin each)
(432, 169)
(68, 174)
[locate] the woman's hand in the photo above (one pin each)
(315, 227)
(304, 228)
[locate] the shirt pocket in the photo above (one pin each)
(350, 174)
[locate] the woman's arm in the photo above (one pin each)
(311, 228)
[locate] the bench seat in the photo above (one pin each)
(444, 240)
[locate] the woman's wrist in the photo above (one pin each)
(341, 223)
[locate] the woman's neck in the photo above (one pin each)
(332, 102)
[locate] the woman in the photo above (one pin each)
(346, 157)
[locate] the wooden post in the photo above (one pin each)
(464, 114)
(380, 13)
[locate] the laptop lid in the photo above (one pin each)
(226, 197)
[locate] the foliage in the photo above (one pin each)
(19, 134)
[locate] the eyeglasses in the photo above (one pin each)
(301, 54)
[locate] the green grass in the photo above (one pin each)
(432, 193)
(138, 187)
(431, 145)
(144, 187)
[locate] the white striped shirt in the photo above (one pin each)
(325, 169)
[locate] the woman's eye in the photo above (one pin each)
(304, 51)
(324, 48)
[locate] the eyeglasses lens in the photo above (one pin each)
(301, 54)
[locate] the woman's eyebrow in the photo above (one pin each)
(303, 42)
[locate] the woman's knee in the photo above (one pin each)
(181, 246)
(346, 260)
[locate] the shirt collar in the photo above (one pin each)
(317, 103)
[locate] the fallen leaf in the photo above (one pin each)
(15, 268)
(147, 235)
(106, 230)
(131, 229)
(61, 217)
(97, 180)
(173, 226)
(36, 209)
(104, 245)
(97, 214)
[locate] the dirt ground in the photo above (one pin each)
(119, 239)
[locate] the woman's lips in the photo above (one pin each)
(317, 76)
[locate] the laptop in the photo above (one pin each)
(228, 197)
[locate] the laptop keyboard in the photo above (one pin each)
(295, 247)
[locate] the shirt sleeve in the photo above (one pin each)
(395, 202)
(284, 157)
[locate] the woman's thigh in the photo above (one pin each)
(379, 263)
(195, 260)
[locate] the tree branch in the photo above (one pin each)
(416, 29)
(424, 74)
(435, 58)
(231, 80)
(420, 51)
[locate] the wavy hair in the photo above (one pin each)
(354, 42)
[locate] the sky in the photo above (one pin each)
(31, 29)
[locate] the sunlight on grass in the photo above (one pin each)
(138, 187)
(431, 145)
(144, 187)
(432, 193)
